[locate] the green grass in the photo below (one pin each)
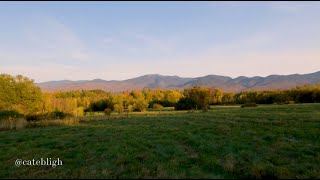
(266, 141)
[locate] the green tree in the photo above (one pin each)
(20, 94)
(200, 95)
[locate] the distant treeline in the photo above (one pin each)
(19, 94)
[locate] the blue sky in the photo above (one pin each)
(120, 40)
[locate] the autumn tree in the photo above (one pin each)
(217, 96)
(140, 104)
(118, 108)
(227, 98)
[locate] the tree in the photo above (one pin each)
(199, 95)
(20, 94)
(173, 95)
(129, 109)
(158, 94)
(228, 98)
(136, 94)
(119, 108)
(217, 96)
(140, 104)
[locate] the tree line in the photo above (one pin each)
(19, 94)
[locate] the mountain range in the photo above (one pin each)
(156, 81)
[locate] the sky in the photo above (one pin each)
(48, 41)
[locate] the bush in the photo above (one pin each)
(186, 104)
(35, 117)
(157, 106)
(48, 116)
(59, 115)
(8, 114)
(164, 103)
(100, 105)
(249, 105)
(107, 111)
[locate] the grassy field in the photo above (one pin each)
(271, 141)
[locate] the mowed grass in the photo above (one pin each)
(274, 141)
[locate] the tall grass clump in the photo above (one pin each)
(59, 122)
(69, 121)
(10, 124)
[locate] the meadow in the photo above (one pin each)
(268, 141)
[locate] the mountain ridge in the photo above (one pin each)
(157, 81)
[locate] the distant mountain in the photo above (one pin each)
(156, 81)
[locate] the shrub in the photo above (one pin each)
(107, 111)
(249, 105)
(34, 117)
(10, 114)
(48, 116)
(157, 106)
(164, 103)
(59, 115)
(186, 104)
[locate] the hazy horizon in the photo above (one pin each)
(166, 75)
(49, 41)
